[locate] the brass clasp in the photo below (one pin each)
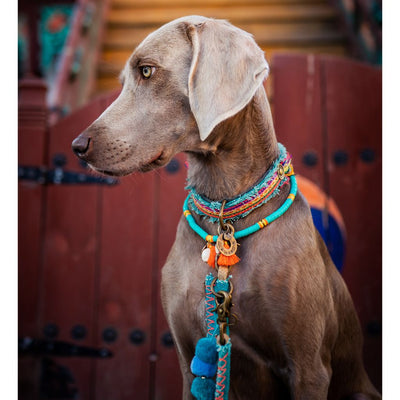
(223, 309)
(223, 300)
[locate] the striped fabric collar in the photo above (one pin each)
(239, 207)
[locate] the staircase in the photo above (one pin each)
(277, 25)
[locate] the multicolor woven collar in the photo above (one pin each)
(266, 189)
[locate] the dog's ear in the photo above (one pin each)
(227, 68)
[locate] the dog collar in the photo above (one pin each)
(239, 207)
(251, 229)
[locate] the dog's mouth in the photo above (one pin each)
(158, 161)
(108, 173)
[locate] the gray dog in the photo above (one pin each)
(195, 85)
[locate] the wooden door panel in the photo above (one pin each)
(127, 255)
(297, 113)
(354, 124)
(347, 128)
(31, 151)
(68, 293)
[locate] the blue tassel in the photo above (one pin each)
(201, 368)
(206, 350)
(203, 388)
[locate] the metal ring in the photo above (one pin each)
(225, 339)
(216, 293)
(228, 229)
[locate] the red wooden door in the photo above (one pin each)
(328, 113)
(100, 251)
(31, 151)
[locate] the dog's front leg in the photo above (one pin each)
(181, 303)
(182, 340)
(184, 363)
(310, 382)
(185, 352)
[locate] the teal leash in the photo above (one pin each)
(213, 358)
(223, 350)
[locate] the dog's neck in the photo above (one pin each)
(239, 152)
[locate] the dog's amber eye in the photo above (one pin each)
(147, 71)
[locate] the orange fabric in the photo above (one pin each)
(228, 260)
(211, 258)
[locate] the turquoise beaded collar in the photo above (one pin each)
(288, 173)
(251, 229)
(267, 188)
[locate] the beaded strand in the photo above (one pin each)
(251, 229)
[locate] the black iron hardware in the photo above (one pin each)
(367, 155)
(310, 158)
(340, 157)
(57, 348)
(167, 340)
(51, 331)
(374, 328)
(173, 166)
(57, 381)
(78, 332)
(57, 176)
(110, 335)
(137, 337)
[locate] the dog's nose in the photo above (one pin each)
(80, 145)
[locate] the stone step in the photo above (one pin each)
(155, 16)
(127, 38)
(212, 3)
(307, 26)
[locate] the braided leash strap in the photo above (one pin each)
(223, 372)
(212, 358)
(224, 351)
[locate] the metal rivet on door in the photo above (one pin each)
(137, 337)
(367, 155)
(78, 332)
(310, 158)
(110, 335)
(173, 166)
(167, 339)
(340, 157)
(51, 331)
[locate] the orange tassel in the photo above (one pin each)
(228, 260)
(211, 258)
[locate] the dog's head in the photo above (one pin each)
(177, 86)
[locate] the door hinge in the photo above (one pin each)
(59, 176)
(58, 348)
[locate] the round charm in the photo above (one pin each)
(226, 244)
(205, 254)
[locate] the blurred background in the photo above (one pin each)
(90, 248)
